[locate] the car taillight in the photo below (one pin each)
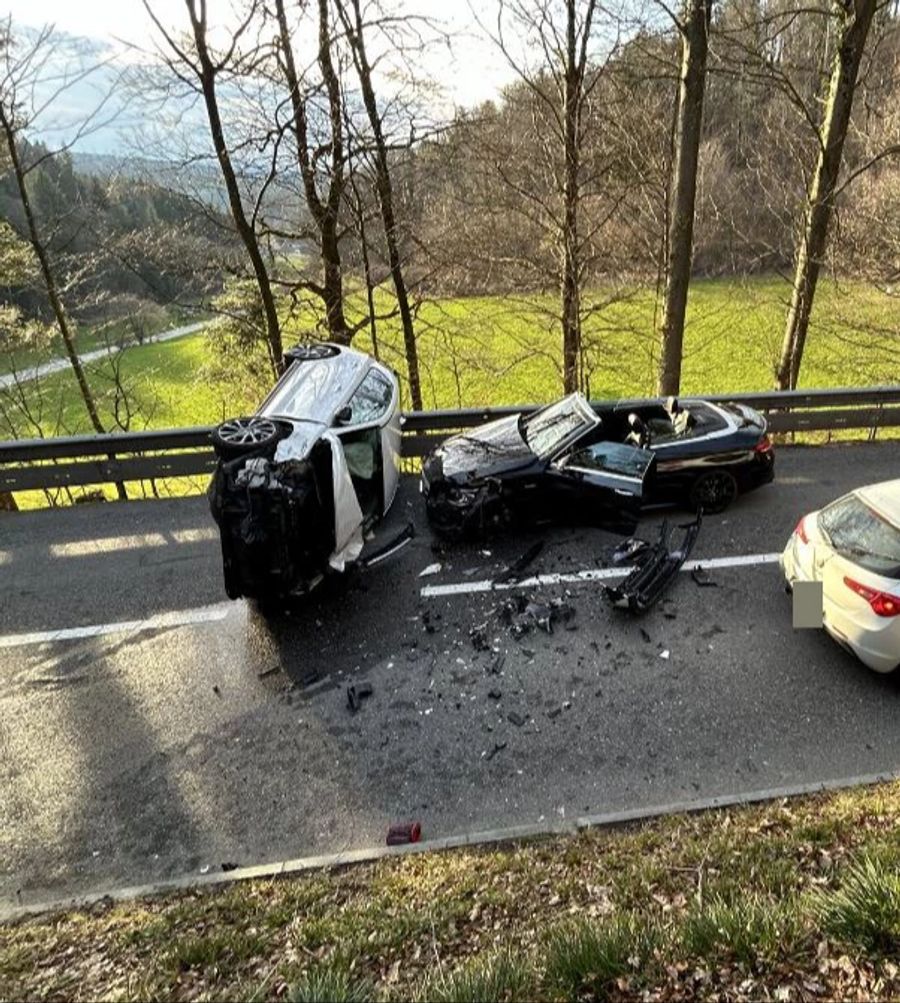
(764, 445)
(800, 530)
(882, 603)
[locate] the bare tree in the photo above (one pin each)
(324, 209)
(352, 19)
(196, 64)
(693, 29)
(854, 20)
(20, 66)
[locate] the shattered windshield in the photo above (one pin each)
(546, 430)
(861, 534)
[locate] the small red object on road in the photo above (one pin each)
(404, 832)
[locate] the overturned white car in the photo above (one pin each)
(300, 484)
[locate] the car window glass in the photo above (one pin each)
(372, 398)
(611, 458)
(550, 427)
(859, 533)
(313, 389)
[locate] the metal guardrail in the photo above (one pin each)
(28, 464)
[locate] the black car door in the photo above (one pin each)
(602, 484)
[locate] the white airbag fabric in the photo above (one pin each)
(348, 517)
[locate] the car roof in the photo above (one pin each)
(884, 497)
(316, 389)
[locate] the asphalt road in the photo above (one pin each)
(169, 747)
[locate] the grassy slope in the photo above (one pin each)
(744, 903)
(490, 351)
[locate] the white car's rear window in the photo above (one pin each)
(862, 535)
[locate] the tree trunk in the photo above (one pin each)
(56, 304)
(325, 213)
(207, 76)
(857, 19)
(571, 307)
(683, 191)
(385, 195)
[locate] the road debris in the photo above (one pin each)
(628, 550)
(512, 572)
(478, 636)
(268, 672)
(498, 747)
(665, 654)
(516, 719)
(701, 577)
(521, 614)
(404, 832)
(431, 569)
(355, 694)
(655, 570)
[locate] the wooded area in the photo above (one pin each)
(324, 189)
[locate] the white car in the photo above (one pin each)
(299, 484)
(852, 547)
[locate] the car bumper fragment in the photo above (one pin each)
(656, 568)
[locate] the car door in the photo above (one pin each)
(603, 484)
(370, 436)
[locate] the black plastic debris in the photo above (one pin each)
(478, 637)
(356, 692)
(520, 564)
(701, 577)
(655, 569)
(522, 614)
(498, 747)
(516, 719)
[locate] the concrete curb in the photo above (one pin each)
(10, 912)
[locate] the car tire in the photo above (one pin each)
(240, 436)
(310, 351)
(713, 491)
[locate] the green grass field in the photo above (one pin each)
(484, 351)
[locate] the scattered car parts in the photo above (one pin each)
(656, 569)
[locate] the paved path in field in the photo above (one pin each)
(149, 728)
(55, 365)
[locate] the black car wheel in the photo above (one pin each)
(714, 491)
(310, 351)
(239, 436)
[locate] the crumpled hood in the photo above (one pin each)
(486, 451)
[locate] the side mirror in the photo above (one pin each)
(344, 416)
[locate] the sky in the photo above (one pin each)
(472, 72)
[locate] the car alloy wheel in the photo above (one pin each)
(714, 491)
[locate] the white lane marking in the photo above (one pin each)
(590, 575)
(177, 618)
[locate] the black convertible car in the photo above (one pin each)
(596, 464)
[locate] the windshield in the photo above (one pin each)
(862, 535)
(546, 430)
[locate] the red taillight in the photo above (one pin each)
(882, 603)
(800, 530)
(764, 445)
